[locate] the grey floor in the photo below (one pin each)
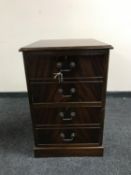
(16, 143)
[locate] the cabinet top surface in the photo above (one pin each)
(66, 44)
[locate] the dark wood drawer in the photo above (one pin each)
(66, 92)
(41, 67)
(67, 116)
(67, 136)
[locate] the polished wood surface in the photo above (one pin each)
(85, 66)
(67, 116)
(66, 44)
(47, 151)
(66, 92)
(66, 82)
(67, 135)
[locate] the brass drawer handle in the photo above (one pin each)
(66, 139)
(72, 91)
(69, 116)
(69, 68)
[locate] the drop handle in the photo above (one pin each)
(66, 139)
(72, 65)
(69, 118)
(69, 67)
(71, 92)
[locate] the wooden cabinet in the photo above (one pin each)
(66, 82)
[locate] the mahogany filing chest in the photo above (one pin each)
(66, 82)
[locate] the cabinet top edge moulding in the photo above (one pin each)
(66, 44)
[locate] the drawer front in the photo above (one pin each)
(41, 67)
(67, 116)
(66, 92)
(67, 136)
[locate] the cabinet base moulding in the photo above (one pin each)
(68, 151)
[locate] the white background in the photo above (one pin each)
(25, 21)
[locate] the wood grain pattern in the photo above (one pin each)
(55, 92)
(67, 116)
(66, 44)
(67, 104)
(68, 151)
(86, 66)
(81, 135)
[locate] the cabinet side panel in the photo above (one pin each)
(29, 93)
(104, 94)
